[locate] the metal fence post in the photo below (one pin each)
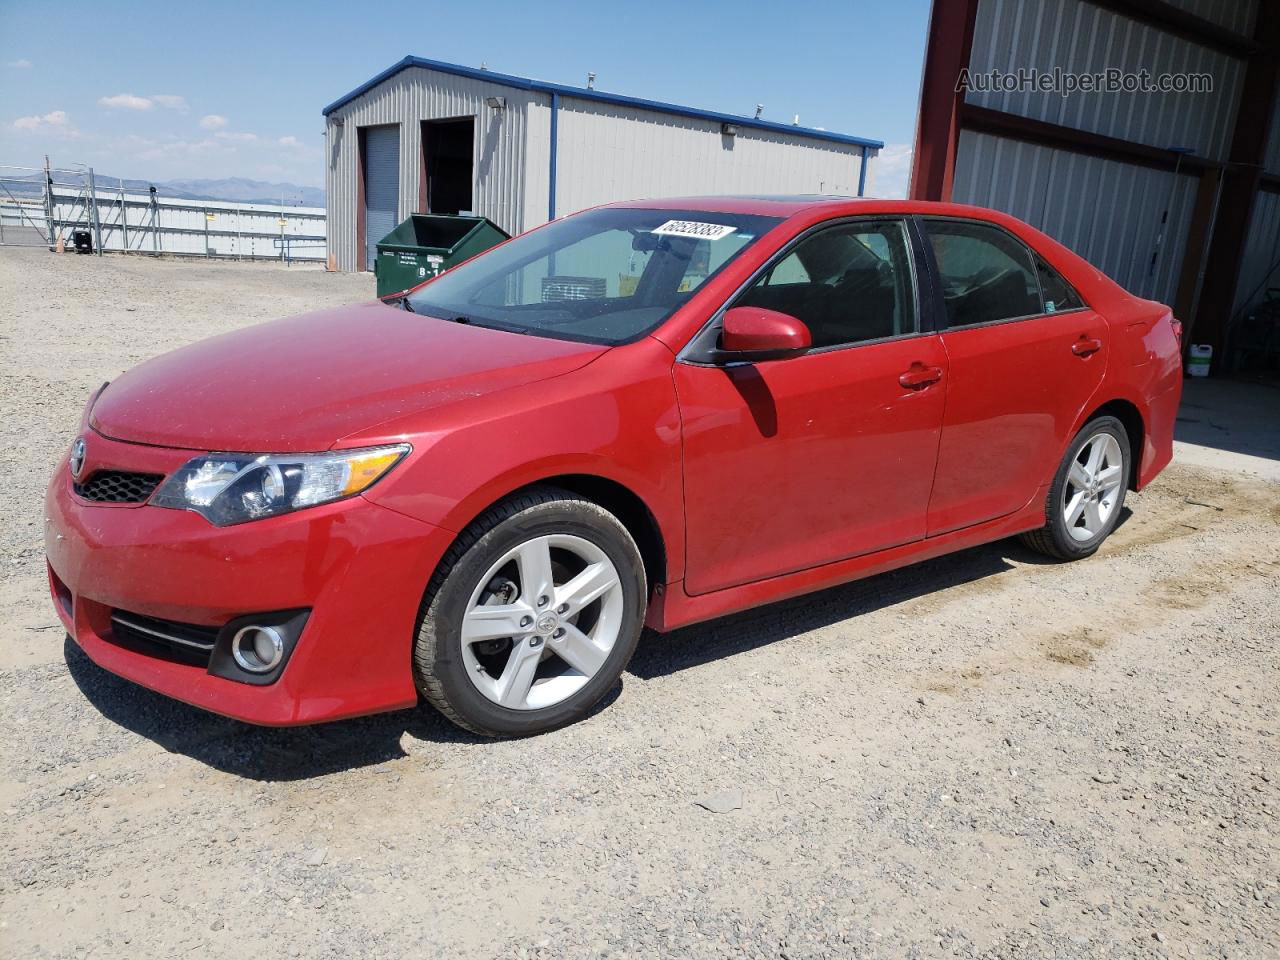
(124, 221)
(93, 202)
(155, 223)
(48, 203)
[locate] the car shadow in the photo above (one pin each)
(262, 753)
(662, 654)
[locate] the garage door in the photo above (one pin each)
(381, 187)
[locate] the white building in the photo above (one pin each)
(426, 136)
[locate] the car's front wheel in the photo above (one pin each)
(532, 617)
(1087, 494)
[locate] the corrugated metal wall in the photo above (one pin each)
(605, 153)
(1273, 142)
(1235, 15)
(407, 98)
(608, 152)
(1260, 266)
(1083, 38)
(1107, 212)
(1110, 212)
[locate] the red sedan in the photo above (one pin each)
(648, 413)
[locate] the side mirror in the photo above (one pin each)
(750, 334)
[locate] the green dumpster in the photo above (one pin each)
(426, 245)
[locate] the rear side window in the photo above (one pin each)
(987, 276)
(1058, 294)
(849, 283)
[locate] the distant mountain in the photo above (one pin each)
(232, 189)
(243, 190)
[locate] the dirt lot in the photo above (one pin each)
(984, 755)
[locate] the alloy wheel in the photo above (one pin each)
(542, 622)
(1093, 488)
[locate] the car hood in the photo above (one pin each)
(304, 383)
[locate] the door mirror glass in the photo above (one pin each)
(754, 333)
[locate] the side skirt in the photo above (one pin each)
(674, 608)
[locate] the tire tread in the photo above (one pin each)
(1043, 539)
(424, 649)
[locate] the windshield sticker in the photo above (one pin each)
(694, 229)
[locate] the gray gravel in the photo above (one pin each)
(981, 756)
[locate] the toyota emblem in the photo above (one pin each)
(77, 457)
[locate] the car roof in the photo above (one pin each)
(788, 205)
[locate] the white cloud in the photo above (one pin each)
(184, 148)
(289, 142)
(213, 121)
(891, 172)
(239, 137)
(23, 64)
(125, 101)
(56, 121)
(170, 101)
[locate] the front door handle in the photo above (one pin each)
(920, 376)
(1086, 346)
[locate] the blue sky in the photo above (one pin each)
(174, 90)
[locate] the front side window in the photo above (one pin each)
(605, 276)
(848, 283)
(987, 276)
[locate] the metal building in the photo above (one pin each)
(1176, 195)
(426, 136)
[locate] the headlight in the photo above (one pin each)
(227, 488)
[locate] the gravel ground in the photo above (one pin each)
(981, 756)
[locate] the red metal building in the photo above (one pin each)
(1174, 192)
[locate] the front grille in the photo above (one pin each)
(179, 642)
(118, 486)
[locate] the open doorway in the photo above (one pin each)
(447, 156)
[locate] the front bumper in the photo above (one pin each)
(358, 567)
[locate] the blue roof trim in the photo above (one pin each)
(582, 93)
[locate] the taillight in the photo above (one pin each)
(1177, 329)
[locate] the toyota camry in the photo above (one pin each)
(478, 492)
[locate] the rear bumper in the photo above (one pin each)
(1157, 451)
(358, 567)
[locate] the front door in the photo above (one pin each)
(1024, 357)
(794, 463)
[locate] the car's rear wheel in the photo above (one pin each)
(532, 617)
(1087, 494)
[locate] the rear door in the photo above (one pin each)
(803, 461)
(1024, 356)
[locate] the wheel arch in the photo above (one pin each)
(632, 511)
(1130, 417)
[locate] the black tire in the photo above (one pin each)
(439, 670)
(1053, 539)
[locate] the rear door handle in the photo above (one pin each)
(1086, 346)
(920, 376)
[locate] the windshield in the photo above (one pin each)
(605, 276)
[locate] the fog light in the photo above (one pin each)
(257, 649)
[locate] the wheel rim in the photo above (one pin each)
(542, 622)
(1094, 486)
